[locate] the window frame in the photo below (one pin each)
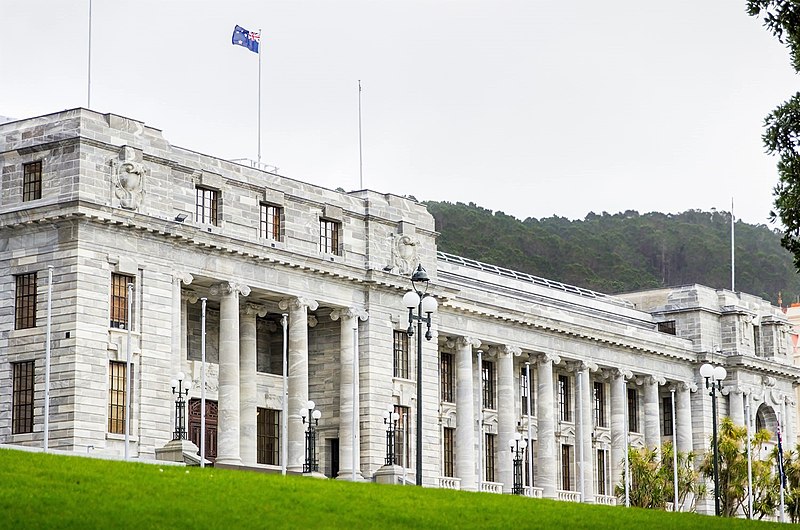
(268, 436)
(633, 410)
(25, 300)
(566, 468)
(667, 428)
(489, 456)
(402, 449)
(564, 410)
(118, 303)
(32, 181)
(330, 236)
(270, 222)
(602, 472)
(117, 396)
(523, 392)
(488, 384)
(400, 358)
(23, 394)
(206, 206)
(447, 383)
(448, 457)
(599, 397)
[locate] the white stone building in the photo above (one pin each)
(106, 201)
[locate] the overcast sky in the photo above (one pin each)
(531, 107)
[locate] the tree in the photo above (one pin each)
(652, 479)
(732, 446)
(782, 136)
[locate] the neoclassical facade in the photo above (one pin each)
(163, 256)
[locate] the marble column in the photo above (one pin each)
(619, 423)
(507, 410)
(298, 376)
(735, 405)
(584, 430)
(348, 318)
(652, 429)
(683, 416)
(547, 457)
(248, 402)
(228, 429)
(465, 410)
(178, 322)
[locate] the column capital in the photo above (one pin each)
(189, 296)
(254, 309)
(683, 386)
(229, 287)
(182, 276)
(298, 303)
(616, 373)
(587, 366)
(467, 342)
(655, 380)
(509, 350)
(312, 321)
(349, 312)
(545, 358)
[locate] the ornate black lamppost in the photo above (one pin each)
(425, 304)
(714, 376)
(390, 418)
(311, 465)
(180, 386)
(517, 445)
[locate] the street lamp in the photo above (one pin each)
(390, 418)
(517, 445)
(714, 376)
(180, 385)
(311, 465)
(425, 303)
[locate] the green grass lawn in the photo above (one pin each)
(50, 491)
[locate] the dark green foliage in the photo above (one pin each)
(782, 136)
(623, 252)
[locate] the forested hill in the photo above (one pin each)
(625, 251)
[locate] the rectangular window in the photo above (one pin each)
(633, 410)
(487, 374)
(329, 236)
(117, 396)
(32, 181)
(489, 456)
(563, 398)
(268, 436)
(524, 387)
(401, 434)
(667, 327)
(566, 466)
(447, 377)
(22, 397)
(270, 225)
(119, 300)
(666, 416)
(602, 468)
(449, 451)
(25, 301)
(599, 404)
(206, 206)
(400, 354)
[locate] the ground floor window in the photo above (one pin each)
(268, 436)
(212, 415)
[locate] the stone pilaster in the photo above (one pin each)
(619, 423)
(298, 376)
(652, 430)
(507, 408)
(736, 404)
(348, 439)
(228, 429)
(247, 382)
(465, 410)
(547, 458)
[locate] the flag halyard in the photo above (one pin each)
(248, 39)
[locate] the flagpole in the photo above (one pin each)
(89, 72)
(733, 255)
(781, 475)
(747, 405)
(203, 383)
(47, 356)
(259, 98)
(360, 161)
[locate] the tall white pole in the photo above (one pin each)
(89, 69)
(355, 398)
(203, 383)
(747, 411)
(47, 356)
(627, 462)
(128, 379)
(285, 413)
(579, 430)
(733, 254)
(780, 466)
(259, 98)
(360, 161)
(674, 451)
(480, 421)
(530, 439)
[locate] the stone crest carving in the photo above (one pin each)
(405, 257)
(128, 175)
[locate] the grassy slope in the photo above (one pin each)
(49, 491)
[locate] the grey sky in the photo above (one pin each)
(531, 107)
